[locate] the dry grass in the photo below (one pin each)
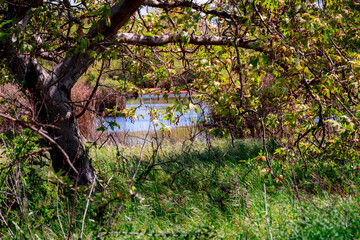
(15, 103)
(102, 99)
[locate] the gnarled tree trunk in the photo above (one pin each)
(50, 90)
(51, 99)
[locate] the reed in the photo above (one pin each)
(13, 101)
(104, 98)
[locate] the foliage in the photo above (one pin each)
(284, 72)
(219, 194)
(295, 79)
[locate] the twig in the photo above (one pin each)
(112, 219)
(296, 187)
(93, 92)
(266, 150)
(140, 234)
(86, 208)
(140, 157)
(118, 156)
(261, 18)
(42, 133)
(5, 223)
(342, 104)
(266, 212)
(73, 207)
(25, 157)
(57, 211)
(338, 49)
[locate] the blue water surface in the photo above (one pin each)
(144, 105)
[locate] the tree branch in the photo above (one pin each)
(92, 93)
(160, 40)
(74, 66)
(16, 62)
(44, 135)
(195, 6)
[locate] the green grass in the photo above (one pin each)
(192, 192)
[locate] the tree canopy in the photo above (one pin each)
(286, 71)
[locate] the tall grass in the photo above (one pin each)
(192, 191)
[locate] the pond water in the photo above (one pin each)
(136, 130)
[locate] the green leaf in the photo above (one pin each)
(255, 62)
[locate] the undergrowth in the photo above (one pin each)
(182, 191)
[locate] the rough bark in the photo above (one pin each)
(52, 108)
(50, 93)
(56, 110)
(159, 40)
(50, 89)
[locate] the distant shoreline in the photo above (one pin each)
(156, 92)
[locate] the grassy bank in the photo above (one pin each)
(197, 191)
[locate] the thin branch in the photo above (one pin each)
(71, 68)
(44, 134)
(265, 147)
(266, 213)
(5, 223)
(73, 208)
(86, 208)
(25, 157)
(139, 161)
(93, 92)
(57, 211)
(191, 4)
(347, 110)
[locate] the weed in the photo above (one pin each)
(193, 191)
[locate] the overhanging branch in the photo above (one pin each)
(160, 40)
(75, 65)
(17, 63)
(191, 4)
